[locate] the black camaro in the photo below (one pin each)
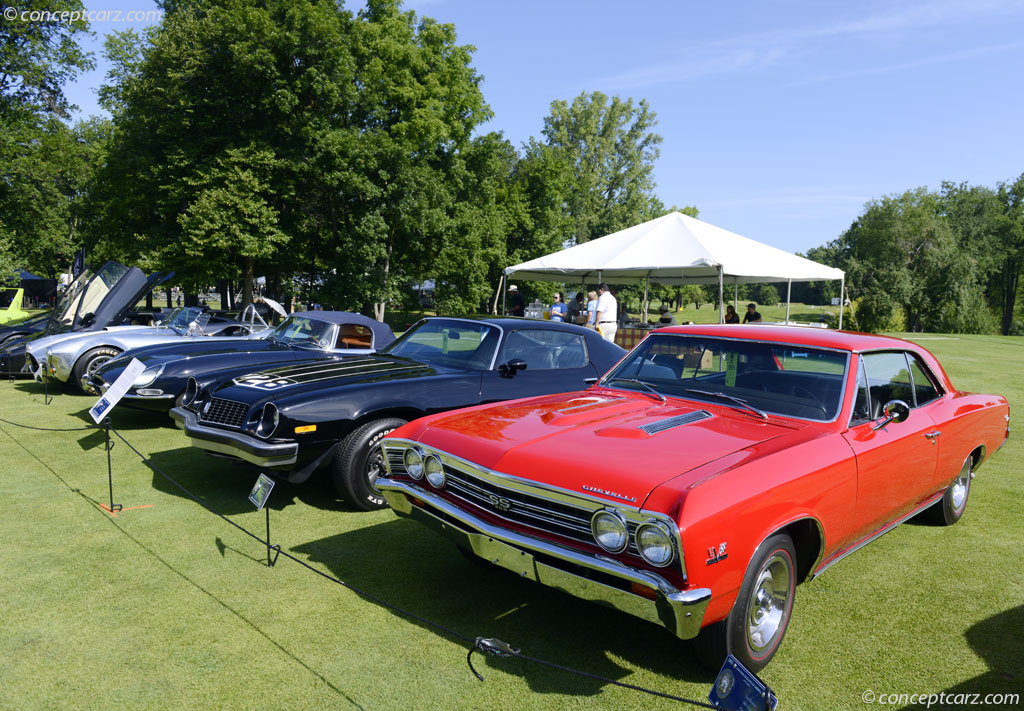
(294, 418)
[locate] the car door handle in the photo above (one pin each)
(932, 435)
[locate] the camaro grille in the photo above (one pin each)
(224, 412)
(533, 511)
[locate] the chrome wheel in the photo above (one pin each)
(374, 466)
(960, 486)
(768, 608)
(94, 365)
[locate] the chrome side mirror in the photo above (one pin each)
(895, 411)
(508, 370)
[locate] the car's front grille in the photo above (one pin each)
(536, 512)
(224, 412)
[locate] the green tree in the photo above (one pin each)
(216, 85)
(606, 148)
(1009, 244)
(37, 57)
(907, 269)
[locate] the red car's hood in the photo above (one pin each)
(592, 441)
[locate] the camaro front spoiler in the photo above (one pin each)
(679, 611)
(237, 444)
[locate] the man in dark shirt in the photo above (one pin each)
(751, 316)
(517, 306)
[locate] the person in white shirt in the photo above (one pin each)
(607, 314)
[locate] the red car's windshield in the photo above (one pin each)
(771, 378)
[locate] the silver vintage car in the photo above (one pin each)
(74, 357)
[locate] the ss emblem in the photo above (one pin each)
(499, 503)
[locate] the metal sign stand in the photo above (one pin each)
(108, 445)
(258, 496)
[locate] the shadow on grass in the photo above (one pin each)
(126, 420)
(224, 485)
(400, 563)
(998, 641)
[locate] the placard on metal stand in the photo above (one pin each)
(258, 496)
(109, 445)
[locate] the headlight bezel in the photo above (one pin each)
(268, 422)
(613, 516)
(436, 479)
(191, 392)
(669, 542)
(418, 473)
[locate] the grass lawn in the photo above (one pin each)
(165, 606)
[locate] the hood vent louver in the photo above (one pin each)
(689, 418)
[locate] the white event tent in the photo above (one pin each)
(677, 249)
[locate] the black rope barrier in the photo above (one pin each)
(483, 645)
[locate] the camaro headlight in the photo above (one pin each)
(413, 463)
(147, 377)
(609, 529)
(191, 390)
(654, 541)
(434, 470)
(268, 420)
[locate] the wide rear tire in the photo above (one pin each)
(359, 461)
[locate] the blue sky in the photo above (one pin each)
(780, 119)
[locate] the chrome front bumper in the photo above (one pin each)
(679, 611)
(237, 444)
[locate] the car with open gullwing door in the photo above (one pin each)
(702, 478)
(291, 419)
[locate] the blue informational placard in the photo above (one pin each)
(738, 688)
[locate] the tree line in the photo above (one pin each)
(340, 154)
(343, 155)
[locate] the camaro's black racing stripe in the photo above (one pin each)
(286, 376)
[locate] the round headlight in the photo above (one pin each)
(609, 529)
(191, 390)
(147, 377)
(268, 420)
(434, 470)
(413, 463)
(654, 541)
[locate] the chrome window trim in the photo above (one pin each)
(587, 503)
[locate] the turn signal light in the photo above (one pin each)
(305, 428)
(643, 591)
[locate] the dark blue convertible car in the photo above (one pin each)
(303, 336)
(294, 418)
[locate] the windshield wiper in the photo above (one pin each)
(731, 398)
(642, 384)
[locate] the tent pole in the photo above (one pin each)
(789, 297)
(735, 293)
(842, 300)
(501, 284)
(721, 295)
(504, 293)
(647, 284)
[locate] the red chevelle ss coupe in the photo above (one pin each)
(705, 475)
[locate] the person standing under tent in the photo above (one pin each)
(592, 309)
(559, 310)
(607, 314)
